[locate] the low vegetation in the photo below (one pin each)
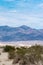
(8, 48)
(26, 56)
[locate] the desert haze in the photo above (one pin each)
(22, 43)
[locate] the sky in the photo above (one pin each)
(15, 13)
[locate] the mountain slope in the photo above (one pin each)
(22, 33)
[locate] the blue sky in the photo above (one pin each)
(21, 12)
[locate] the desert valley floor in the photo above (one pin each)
(4, 56)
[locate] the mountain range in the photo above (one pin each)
(22, 33)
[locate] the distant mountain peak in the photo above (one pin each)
(25, 27)
(4, 26)
(22, 33)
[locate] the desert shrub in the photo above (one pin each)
(28, 56)
(11, 54)
(16, 59)
(35, 49)
(21, 51)
(8, 48)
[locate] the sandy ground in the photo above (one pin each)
(4, 59)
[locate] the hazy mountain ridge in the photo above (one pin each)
(22, 33)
